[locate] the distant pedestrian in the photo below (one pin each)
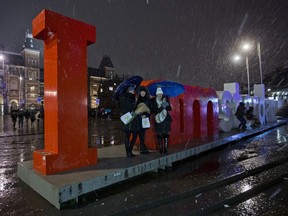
(21, 114)
(161, 107)
(32, 118)
(127, 103)
(38, 117)
(27, 117)
(14, 116)
(240, 115)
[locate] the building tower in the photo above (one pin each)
(30, 82)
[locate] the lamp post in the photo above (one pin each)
(237, 58)
(260, 62)
(246, 47)
(2, 60)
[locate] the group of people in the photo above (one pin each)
(141, 105)
(21, 114)
(242, 114)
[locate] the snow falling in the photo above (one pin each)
(149, 38)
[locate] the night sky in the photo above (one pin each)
(188, 41)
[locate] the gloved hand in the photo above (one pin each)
(165, 104)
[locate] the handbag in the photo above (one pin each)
(126, 118)
(160, 117)
(145, 122)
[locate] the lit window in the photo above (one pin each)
(110, 88)
(101, 90)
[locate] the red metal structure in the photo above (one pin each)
(194, 114)
(65, 93)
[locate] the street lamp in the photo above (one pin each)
(237, 58)
(260, 62)
(2, 60)
(246, 47)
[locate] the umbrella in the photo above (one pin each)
(169, 88)
(107, 110)
(122, 88)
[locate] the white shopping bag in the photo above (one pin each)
(126, 118)
(145, 122)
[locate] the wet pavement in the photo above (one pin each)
(16, 198)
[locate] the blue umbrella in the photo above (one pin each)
(122, 88)
(169, 88)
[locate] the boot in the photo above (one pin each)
(129, 153)
(143, 149)
(160, 143)
(165, 145)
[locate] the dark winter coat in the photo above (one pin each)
(241, 111)
(165, 126)
(127, 103)
(14, 115)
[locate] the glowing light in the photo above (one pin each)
(236, 58)
(51, 93)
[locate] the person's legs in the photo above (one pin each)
(243, 122)
(165, 145)
(127, 143)
(143, 149)
(133, 140)
(240, 125)
(160, 143)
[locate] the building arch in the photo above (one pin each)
(13, 104)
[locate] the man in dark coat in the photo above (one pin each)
(161, 107)
(127, 103)
(240, 113)
(143, 97)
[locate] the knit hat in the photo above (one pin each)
(159, 91)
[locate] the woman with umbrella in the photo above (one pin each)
(127, 103)
(161, 107)
(125, 94)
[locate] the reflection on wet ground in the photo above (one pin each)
(16, 198)
(103, 133)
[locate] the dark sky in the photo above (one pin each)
(188, 41)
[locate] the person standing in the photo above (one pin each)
(143, 97)
(14, 116)
(32, 118)
(161, 107)
(127, 103)
(240, 113)
(27, 116)
(21, 118)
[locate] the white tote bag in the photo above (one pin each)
(126, 118)
(145, 122)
